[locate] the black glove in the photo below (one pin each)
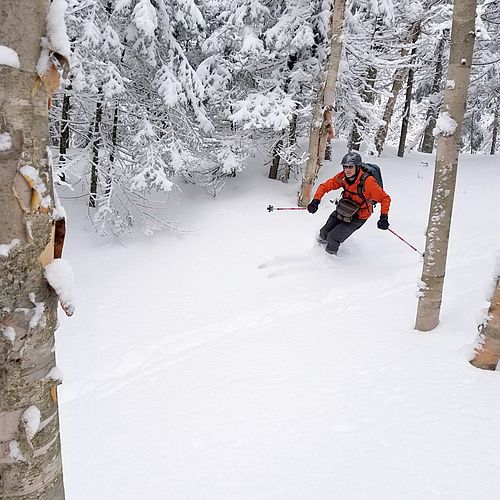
(383, 222)
(313, 206)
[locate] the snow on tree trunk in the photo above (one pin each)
(488, 351)
(30, 454)
(448, 129)
(324, 105)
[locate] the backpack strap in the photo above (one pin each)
(361, 187)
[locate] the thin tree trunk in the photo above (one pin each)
(397, 85)
(494, 135)
(367, 96)
(96, 143)
(406, 113)
(30, 452)
(432, 112)
(273, 171)
(64, 138)
(488, 352)
(292, 140)
(114, 140)
(275, 162)
(324, 103)
(448, 147)
(471, 141)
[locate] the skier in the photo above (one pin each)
(360, 193)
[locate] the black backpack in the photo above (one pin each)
(375, 172)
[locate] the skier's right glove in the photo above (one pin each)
(383, 222)
(313, 206)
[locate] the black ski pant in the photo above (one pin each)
(335, 231)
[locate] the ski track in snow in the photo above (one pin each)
(240, 361)
(154, 358)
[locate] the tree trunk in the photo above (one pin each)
(96, 143)
(112, 154)
(406, 113)
(428, 140)
(367, 96)
(64, 138)
(30, 453)
(397, 84)
(494, 135)
(488, 352)
(448, 147)
(324, 104)
(275, 162)
(273, 171)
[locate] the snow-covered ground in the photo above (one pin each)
(237, 360)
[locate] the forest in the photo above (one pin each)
(160, 164)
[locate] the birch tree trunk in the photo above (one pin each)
(488, 352)
(30, 454)
(324, 105)
(448, 147)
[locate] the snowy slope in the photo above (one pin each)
(237, 360)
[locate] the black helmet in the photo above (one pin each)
(352, 159)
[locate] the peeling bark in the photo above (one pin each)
(30, 465)
(324, 104)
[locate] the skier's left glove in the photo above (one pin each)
(383, 222)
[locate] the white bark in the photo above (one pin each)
(488, 350)
(30, 459)
(448, 146)
(324, 105)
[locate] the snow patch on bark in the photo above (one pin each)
(9, 57)
(56, 28)
(59, 274)
(445, 125)
(5, 140)
(38, 312)
(5, 249)
(31, 419)
(55, 374)
(15, 452)
(9, 333)
(57, 40)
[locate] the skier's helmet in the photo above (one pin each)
(352, 159)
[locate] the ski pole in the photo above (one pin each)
(270, 208)
(402, 239)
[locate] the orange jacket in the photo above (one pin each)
(372, 192)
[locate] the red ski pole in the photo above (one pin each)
(270, 208)
(402, 239)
